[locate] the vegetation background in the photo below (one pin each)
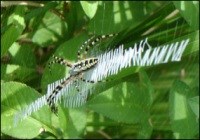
(160, 101)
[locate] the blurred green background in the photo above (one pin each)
(160, 101)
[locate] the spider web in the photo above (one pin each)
(187, 70)
(179, 28)
(78, 99)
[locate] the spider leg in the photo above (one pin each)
(91, 81)
(76, 85)
(54, 109)
(82, 46)
(87, 81)
(60, 61)
(52, 96)
(91, 42)
(97, 40)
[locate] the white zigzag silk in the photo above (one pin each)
(110, 63)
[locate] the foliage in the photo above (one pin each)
(142, 102)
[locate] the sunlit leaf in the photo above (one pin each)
(16, 72)
(125, 102)
(72, 122)
(17, 25)
(190, 11)
(22, 55)
(50, 30)
(194, 104)
(180, 113)
(12, 101)
(90, 8)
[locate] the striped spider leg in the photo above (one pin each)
(51, 97)
(92, 42)
(77, 69)
(87, 44)
(75, 72)
(60, 61)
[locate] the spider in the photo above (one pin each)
(77, 69)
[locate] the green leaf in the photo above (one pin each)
(145, 130)
(190, 11)
(17, 25)
(40, 11)
(14, 97)
(184, 123)
(72, 122)
(115, 16)
(194, 104)
(125, 102)
(89, 8)
(16, 72)
(22, 55)
(50, 30)
(9, 37)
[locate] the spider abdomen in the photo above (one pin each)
(83, 65)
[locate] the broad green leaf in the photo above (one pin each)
(194, 104)
(145, 130)
(16, 72)
(14, 97)
(184, 123)
(76, 19)
(192, 47)
(72, 122)
(9, 37)
(17, 25)
(125, 102)
(41, 10)
(22, 55)
(89, 8)
(50, 29)
(114, 16)
(190, 11)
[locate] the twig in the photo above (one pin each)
(28, 3)
(104, 134)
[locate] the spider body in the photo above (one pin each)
(77, 69)
(83, 65)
